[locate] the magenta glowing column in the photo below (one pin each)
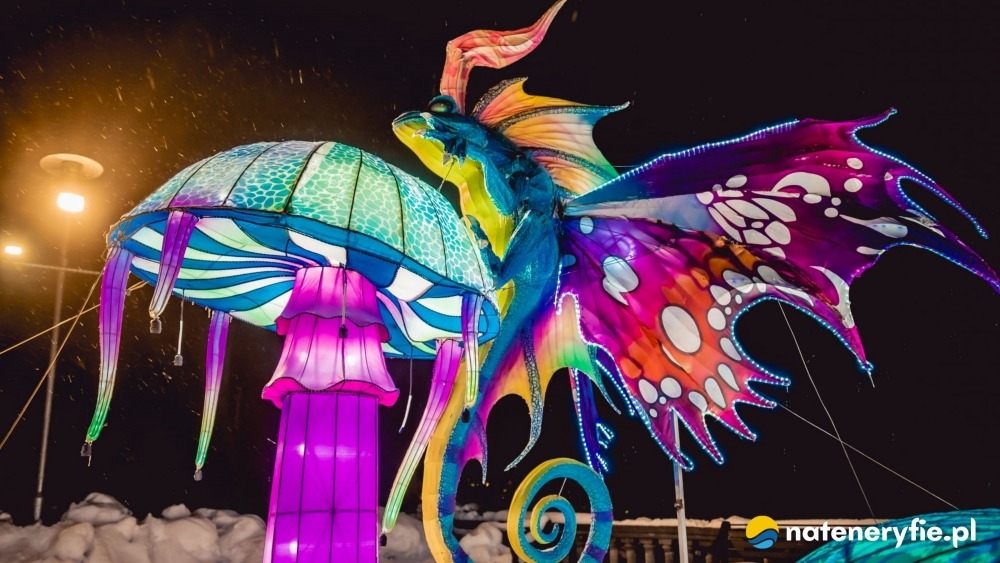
(329, 383)
(324, 498)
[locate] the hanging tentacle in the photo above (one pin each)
(445, 368)
(493, 49)
(562, 536)
(472, 307)
(180, 225)
(218, 332)
(113, 287)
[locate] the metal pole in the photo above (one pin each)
(50, 384)
(55, 268)
(682, 536)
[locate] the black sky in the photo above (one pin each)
(147, 89)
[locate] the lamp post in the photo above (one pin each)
(70, 167)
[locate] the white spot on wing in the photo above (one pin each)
(648, 391)
(730, 349)
(780, 210)
(729, 214)
(748, 209)
(681, 329)
(756, 237)
(779, 233)
(811, 183)
(721, 295)
(716, 319)
(671, 387)
(736, 181)
(619, 277)
(715, 392)
(725, 224)
(698, 400)
(884, 225)
(728, 376)
(776, 252)
(738, 281)
(844, 306)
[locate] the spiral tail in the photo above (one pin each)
(557, 543)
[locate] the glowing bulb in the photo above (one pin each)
(70, 202)
(13, 250)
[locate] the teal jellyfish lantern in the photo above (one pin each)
(349, 258)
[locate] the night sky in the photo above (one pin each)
(147, 90)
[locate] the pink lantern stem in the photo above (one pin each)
(329, 383)
(324, 497)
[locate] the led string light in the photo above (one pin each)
(698, 149)
(924, 181)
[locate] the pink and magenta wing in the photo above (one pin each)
(664, 259)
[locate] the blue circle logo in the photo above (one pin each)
(762, 532)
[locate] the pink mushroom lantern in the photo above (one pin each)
(349, 258)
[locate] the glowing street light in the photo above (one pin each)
(70, 168)
(70, 202)
(13, 250)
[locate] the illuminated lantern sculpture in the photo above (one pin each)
(351, 260)
(633, 283)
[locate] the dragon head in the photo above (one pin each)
(507, 133)
(441, 136)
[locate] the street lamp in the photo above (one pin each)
(13, 250)
(70, 202)
(71, 168)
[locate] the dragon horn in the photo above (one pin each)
(493, 49)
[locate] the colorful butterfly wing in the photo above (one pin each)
(662, 312)
(664, 259)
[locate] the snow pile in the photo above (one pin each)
(101, 530)
(406, 542)
(485, 544)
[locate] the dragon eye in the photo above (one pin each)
(442, 104)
